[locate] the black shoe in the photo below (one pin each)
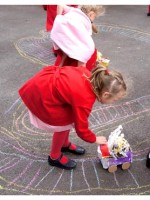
(69, 165)
(79, 150)
(148, 160)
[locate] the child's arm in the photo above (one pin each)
(81, 115)
(62, 8)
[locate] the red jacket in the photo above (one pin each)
(60, 96)
(91, 63)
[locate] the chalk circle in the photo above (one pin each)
(39, 49)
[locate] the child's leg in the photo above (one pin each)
(68, 143)
(56, 157)
(64, 56)
(94, 28)
(71, 147)
(81, 64)
(57, 143)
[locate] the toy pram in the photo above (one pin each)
(116, 152)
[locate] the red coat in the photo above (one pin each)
(60, 96)
(91, 63)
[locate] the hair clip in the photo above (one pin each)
(106, 72)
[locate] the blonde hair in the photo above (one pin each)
(97, 9)
(104, 80)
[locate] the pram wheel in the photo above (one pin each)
(112, 168)
(125, 165)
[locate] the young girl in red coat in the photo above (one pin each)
(59, 98)
(72, 33)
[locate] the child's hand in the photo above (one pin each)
(101, 140)
(94, 28)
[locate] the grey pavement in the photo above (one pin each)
(25, 47)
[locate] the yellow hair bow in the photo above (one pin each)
(104, 62)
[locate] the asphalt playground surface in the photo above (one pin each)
(25, 47)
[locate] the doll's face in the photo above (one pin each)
(107, 98)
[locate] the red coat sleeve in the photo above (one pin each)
(81, 115)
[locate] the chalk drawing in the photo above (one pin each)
(22, 131)
(33, 179)
(134, 178)
(7, 163)
(1, 187)
(22, 173)
(44, 177)
(12, 105)
(85, 179)
(26, 148)
(71, 180)
(116, 181)
(36, 49)
(96, 173)
(110, 114)
(11, 166)
(57, 181)
(39, 49)
(23, 148)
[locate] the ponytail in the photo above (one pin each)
(104, 79)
